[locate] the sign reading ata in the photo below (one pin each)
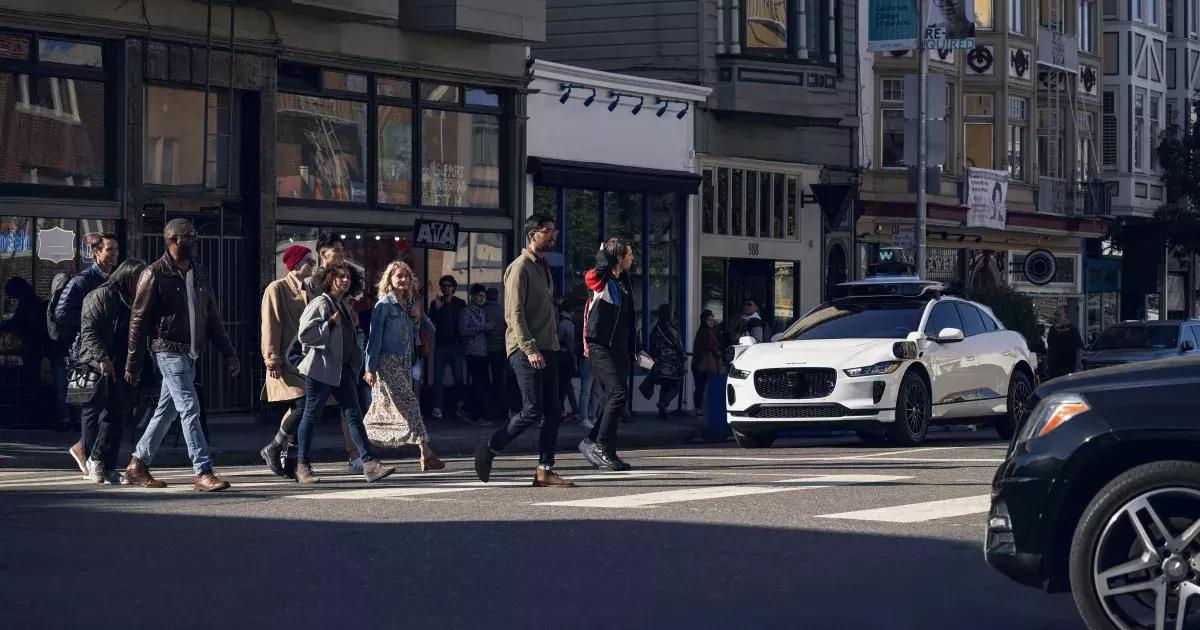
(441, 235)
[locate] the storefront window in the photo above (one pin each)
(460, 159)
(665, 269)
(784, 308)
(321, 148)
(722, 201)
(395, 155)
(739, 177)
(52, 131)
(712, 287)
(623, 219)
(36, 250)
(582, 216)
(173, 149)
(706, 203)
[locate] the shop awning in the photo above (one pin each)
(571, 174)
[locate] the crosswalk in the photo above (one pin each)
(881, 490)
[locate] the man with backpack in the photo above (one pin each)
(64, 315)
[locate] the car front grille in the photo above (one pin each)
(795, 383)
(802, 411)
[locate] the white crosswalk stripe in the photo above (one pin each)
(465, 486)
(919, 512)
(650, 499)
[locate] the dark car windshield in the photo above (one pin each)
(859, 319)
(1138, 337)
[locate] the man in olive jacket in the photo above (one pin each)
(531, 343)
(175, 313)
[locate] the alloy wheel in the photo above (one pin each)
(1146, 562)
(1022, 393)
(914, 408)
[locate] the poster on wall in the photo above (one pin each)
(987, 198)
(893, 25)
(950, 25)
(441, 235)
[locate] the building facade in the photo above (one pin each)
(1152, 51)
(1010, 106)
(780, 118)
(278, 122)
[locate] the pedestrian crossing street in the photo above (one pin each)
(907, 486)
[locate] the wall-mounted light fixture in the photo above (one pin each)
(568, 87)
(616, 98)
(665, 103)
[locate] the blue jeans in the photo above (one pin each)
(316, 394)
(177, 400)
(453, 355)
(540, 403)
(585, 388)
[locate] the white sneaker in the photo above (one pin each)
(95, 471)
(437, 412)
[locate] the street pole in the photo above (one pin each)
(922, 140)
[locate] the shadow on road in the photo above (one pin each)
(64, 562)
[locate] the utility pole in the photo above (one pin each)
(922, 136)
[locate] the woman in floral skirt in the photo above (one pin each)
(394, 419)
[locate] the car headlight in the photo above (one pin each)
(1051, 413)
(883, 367)
(736, 373)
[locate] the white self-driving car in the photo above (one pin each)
(888, 360)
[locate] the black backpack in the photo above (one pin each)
(57, 286)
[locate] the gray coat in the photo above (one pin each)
(323, 343)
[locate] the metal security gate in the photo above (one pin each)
(222, 253)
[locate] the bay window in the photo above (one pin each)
(804, 29)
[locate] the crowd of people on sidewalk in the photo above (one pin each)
(321, 353)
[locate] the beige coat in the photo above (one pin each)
(282, 303)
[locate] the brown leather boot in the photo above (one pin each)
(304, 474)
(137, 472)
(549, 479)
(208, 482)
(374, 470)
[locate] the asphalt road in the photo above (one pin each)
(809, 534)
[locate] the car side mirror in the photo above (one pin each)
(776, 337)
(1189, 346)
(949, 335)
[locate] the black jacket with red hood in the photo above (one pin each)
(608, 317)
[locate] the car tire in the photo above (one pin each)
(756, 439)
(913, 410)
(1020, 395)
(1103, 517)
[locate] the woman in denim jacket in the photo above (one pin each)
(394, 419)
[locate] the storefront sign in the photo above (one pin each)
(441, 235)
(987, 198)
(893, 25)
(1040, 267)
(951, 24)
(56, 245)
(904, 237)
(1058, 50)
(15, 239)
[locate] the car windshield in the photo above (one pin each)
(859, 319)
(1126, 337)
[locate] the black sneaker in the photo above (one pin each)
(604, 459)
(483, 462)
(621, 464)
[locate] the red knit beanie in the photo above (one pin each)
(294, 256)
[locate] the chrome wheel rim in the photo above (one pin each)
(1146, 563)
(1022, 392)
(914, 408)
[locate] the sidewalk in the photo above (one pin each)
(236, 440)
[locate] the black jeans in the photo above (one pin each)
(480, 389)
(539, 404)
(668, 392)
(701, 381)
(106, 419)
(498, 369)
(611, 371)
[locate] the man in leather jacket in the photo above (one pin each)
(174, 314)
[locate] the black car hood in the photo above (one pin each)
(1118, 376)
